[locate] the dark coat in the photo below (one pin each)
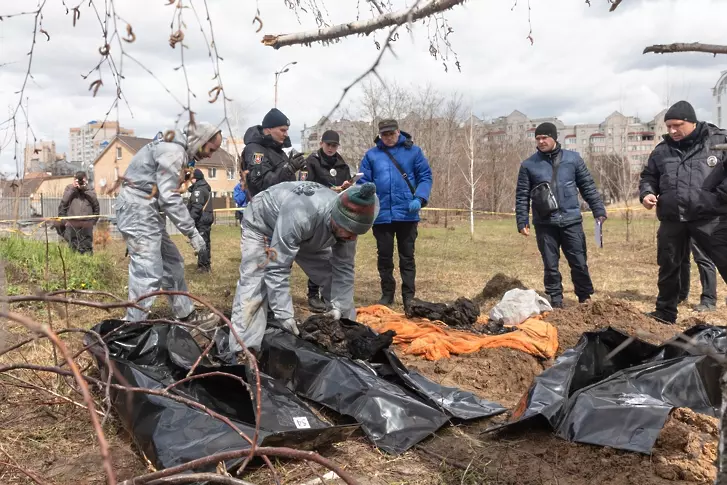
(689, 176)
(319, 168)
(79, 202)
(266, 161)
(200, 204)
(573, 176)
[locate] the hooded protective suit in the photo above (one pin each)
(291, 221)
(150, 191)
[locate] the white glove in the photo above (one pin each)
(197, 243)
(290, 325)
(334, 313)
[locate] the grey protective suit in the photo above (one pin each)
(140, 217)
(292, 222)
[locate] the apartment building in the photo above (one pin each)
(39, 155)
(86, 142)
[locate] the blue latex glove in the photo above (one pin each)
(415, 205)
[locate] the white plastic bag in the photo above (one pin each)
(518, 305)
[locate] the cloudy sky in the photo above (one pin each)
(584, 64)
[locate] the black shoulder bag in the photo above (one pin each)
(544, 196)
(401, 171)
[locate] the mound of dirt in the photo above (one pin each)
(573, 321)
(684, 453)
(499, 374)
(497, 287)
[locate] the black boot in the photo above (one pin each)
(315, 304)
(386, 299)
(662, 317)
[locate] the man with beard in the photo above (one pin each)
(551, 180)
(685, 180)
(263, 155)
(311, 225)
(326, 167)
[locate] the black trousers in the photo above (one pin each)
(406, 235)
(313, 290)
(707, 276)
(572, 240)
(204, 258)
(672, 248)
(80, 239)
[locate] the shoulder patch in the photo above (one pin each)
(257, 158)
(196, 193)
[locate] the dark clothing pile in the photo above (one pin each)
(345, 337)
(328, 171)
(202, 212)
(266, 161)
(690, 181)
(463, 313)
(78, 201)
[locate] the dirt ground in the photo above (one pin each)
(51, 437)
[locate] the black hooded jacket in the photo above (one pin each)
(200, 204)
(328, 171)
(266, 161)
(689, 176)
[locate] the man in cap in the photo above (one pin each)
(403, 181)
(326, 167)
(201, 211)
(263, 155)
(311, 225)
(150, 195)
(685, 180)
(550, 181)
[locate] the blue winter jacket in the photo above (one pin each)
(393, 192)
(573, 176)
(240, 196)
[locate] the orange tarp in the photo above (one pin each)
(434, 341)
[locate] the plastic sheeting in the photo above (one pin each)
(170, 433)
(623, 401)
(396, 408)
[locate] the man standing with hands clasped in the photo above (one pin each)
(550, 181)
(685, 180)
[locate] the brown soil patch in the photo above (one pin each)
(573, 321)
(497, 287)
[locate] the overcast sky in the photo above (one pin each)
(584, 64)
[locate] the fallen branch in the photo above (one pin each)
(686, 47)
(397, 18)
(200, 477)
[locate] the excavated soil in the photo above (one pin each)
(684, 453)
(497, 287)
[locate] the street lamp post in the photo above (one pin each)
(283, 70)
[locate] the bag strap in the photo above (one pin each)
(401, 171)
(556, 165)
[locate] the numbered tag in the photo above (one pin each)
(301, 423)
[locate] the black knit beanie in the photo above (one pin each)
(547, 129)
(275, 118)
(681, 110)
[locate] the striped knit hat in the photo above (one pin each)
(356, 208)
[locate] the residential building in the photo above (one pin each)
(356, 137)
(618, 134)
(220, 169)
(38, 155)
(86, 142)
(719, 97)
(233, 145)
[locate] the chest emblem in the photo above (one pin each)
(712, 161)
(333, 172)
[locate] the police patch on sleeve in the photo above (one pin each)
(257, 158)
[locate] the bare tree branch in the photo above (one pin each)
(686, 47)
(397, 18)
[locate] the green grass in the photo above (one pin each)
(31, 264)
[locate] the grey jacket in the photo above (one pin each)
(296, 218)
(159, 164)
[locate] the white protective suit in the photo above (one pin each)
(292, 221)
(155, 262)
